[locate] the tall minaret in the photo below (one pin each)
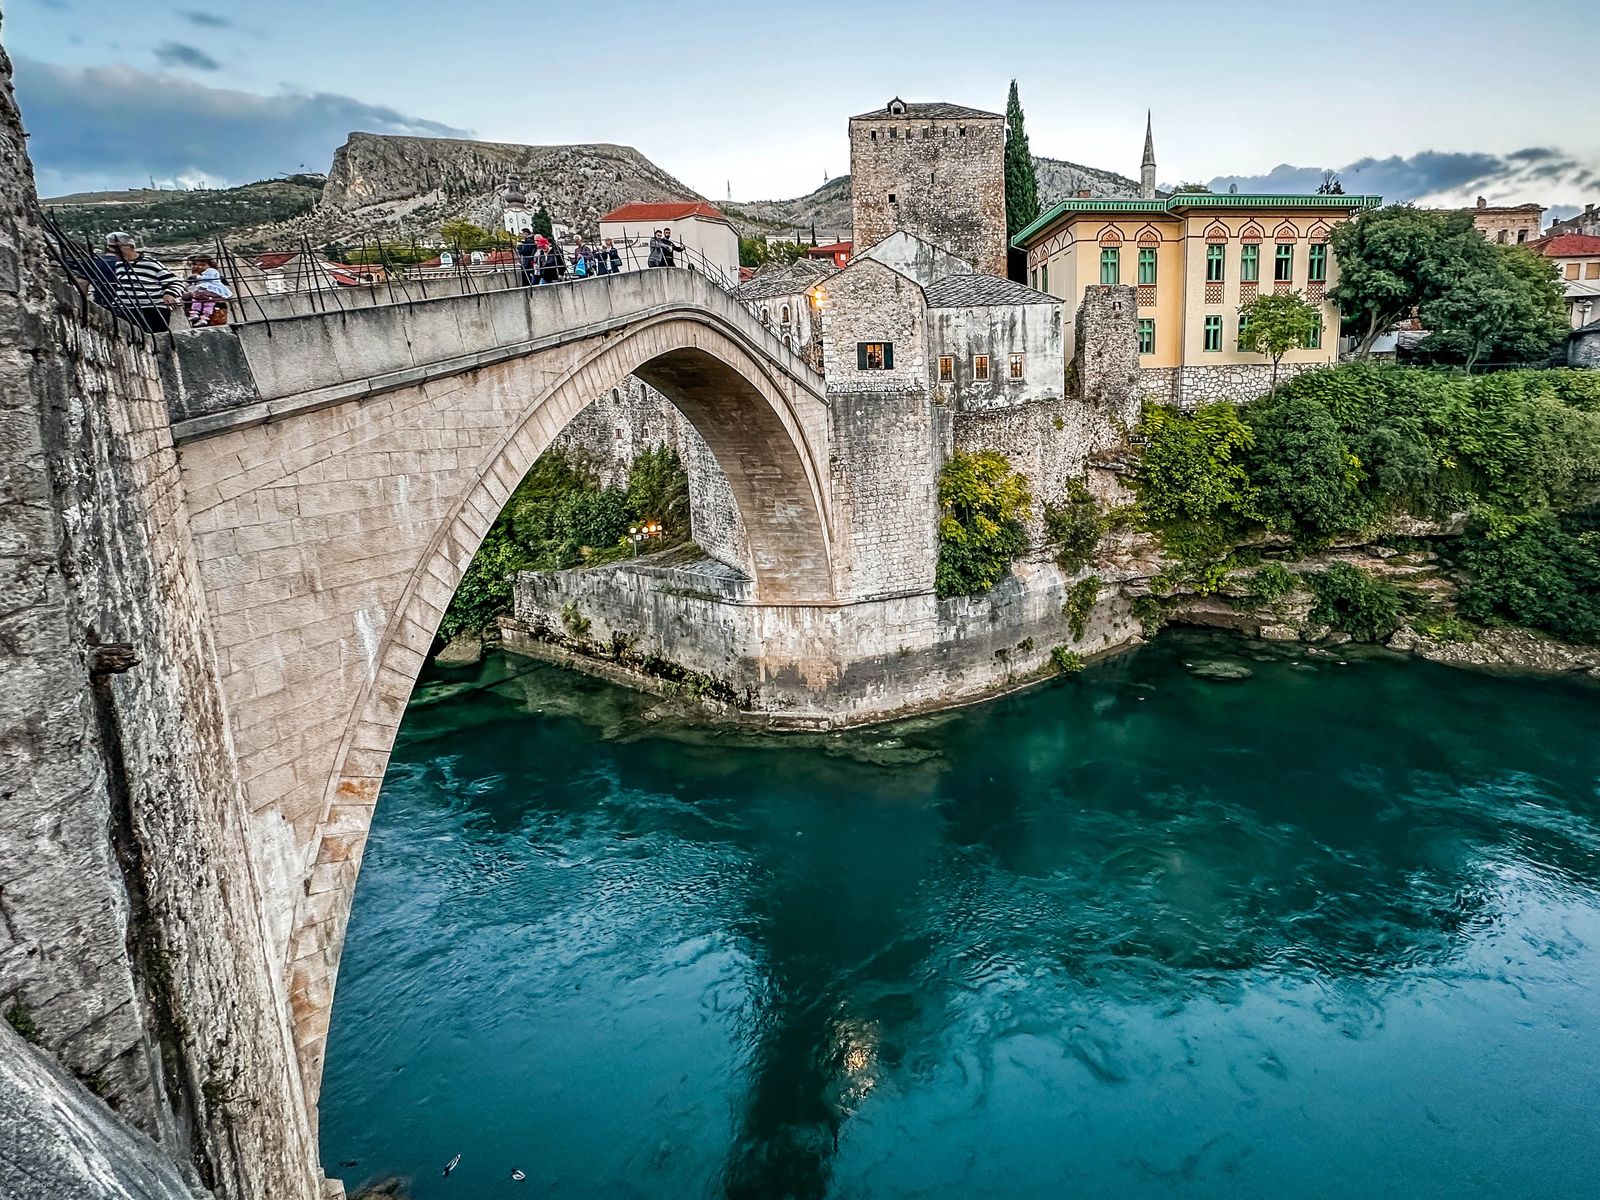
(1147, 169)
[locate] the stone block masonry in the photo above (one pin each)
(132, 935)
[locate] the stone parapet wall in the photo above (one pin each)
(1190, 387)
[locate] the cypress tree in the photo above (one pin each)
(1022, 183)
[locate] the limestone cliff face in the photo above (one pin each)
(394, 186)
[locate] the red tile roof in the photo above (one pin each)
(676, 210)
(1567, 245)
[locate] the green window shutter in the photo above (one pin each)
(1044, 277)
(1214, 264)
(1147, 336)
(1111, 265)
(1319, 264)
(861, 356)
(1283, 268)
(1147, 265)
(1250, 264)
(1213, 333)
(888, 356)
(1314, 338)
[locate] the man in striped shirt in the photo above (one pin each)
(142, 290)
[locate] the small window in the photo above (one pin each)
(894, 132)
(616, 395)
(1214, 263)
(1044, 277)
(1283, 265)
(1591, 270)
(1318, 263)
(1147, 265)
(1033, 279)
(1314, 338)
(892, 199)
(1522, 236)
(1213, 333)
(1502, 237)
(874, 356)
(1111, 265)
(1016, 366)
(766, 317)
(1572, 270)
(874, 135)
(947, 369)
(1244, 321)
(963, 131)
(980, 368)
(1147, 335)
(784, 314)
(619, 433)
(1250, 264)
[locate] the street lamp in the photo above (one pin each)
(638, 533)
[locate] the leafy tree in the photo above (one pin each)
(981, 530)
(334, 252)
(1353, 601)
(1276, 323)
(1076, 524)
(543, 224)
(1193, 487)
(1192, 187)
(1302, 471)
(1392, 260)
(485, 588)
(1544, 573)
(658, 490)
(1022, 181)
(1504, 302)
(463, 235)
(1330, 185)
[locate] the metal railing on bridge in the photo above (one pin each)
(261, 281)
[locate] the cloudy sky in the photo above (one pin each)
(1436, 100)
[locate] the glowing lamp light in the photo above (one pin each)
(817, 297)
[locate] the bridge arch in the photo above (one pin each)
(332, 538)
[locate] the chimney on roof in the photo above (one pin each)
(1482, 203)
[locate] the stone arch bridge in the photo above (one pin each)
(340, 469)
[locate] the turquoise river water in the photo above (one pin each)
(1332, 930)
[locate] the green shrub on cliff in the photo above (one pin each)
(485, 589)
(1194, 490)
(1303, 475)
(1354, 602)
(1075, 523)
(1544, 574)
(983, 505)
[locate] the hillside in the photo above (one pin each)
(186, 218)
(398, 188)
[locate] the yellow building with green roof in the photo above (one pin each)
(1192, 259)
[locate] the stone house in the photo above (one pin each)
(1511, 224)
(1577, 260)
(934, 170)
(907, 315)
(1587, 223)
(1193, 259)
(784, 297)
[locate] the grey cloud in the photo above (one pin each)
(1448, 177)
(208, 20)
(112, 127)
(176, 54)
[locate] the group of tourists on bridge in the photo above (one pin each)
(544, 261)
(138, 287)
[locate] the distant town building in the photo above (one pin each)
(936, 171)
(1192, 259)
(839, 253)
(1586, 223)
(1583, 347)
(1577, 260)
(805, 237)
(1509, 224)
(517, 220)
(708, 235)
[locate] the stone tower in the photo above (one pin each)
(936, 171)
(1147, 168)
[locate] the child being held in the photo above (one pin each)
(206, 292)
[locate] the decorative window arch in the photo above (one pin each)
(1147, 237)
(1285, 232)
(784, 314)
(787, 343)
(766, 315)
(1319, 233)
(1216, 233)
(1111, 236)
(1252, 233)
